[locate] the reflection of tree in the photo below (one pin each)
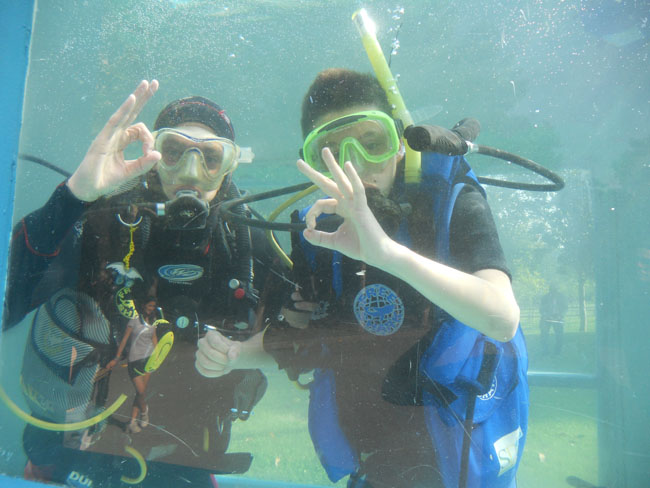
(577, 253)
(528, 221)
(528, 228)
(547, 237)
(632, 176)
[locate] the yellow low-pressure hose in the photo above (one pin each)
(141, 462)
(269, 234)
(63, 427)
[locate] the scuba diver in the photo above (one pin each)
(403, 308)
(118, 230)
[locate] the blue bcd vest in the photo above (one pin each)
(451, 363)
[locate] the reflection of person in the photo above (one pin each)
(552, 309)
(382, 304)
(99, 242)
(142, 333)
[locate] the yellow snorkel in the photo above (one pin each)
(367, 30)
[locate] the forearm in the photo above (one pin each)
(253, 355)
(42, 231)
(37, 240)
(483, 301)
(123, 342)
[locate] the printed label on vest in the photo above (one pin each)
(78, 480)
(124, 303)
(379, 310)
(507, 448)
(491, 391)
(180, 273)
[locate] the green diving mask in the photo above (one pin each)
(363, 137)
(208, 159)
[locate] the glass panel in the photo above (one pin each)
(96, 395)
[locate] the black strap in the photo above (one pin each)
(484, 379)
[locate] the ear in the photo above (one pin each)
(402, 150)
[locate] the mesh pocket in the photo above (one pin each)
(61, 360)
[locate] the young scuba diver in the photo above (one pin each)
(122, 229)
(404, 307)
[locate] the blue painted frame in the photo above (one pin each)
(16, 30)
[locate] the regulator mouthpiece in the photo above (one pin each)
(187, 211)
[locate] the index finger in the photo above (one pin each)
(355, 181)
(327, 185)
(339, 177)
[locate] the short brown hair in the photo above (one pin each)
(337, 88)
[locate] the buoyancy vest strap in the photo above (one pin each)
(483, 382)
(242, 237)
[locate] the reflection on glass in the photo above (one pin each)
(102, 389)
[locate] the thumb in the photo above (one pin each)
(234, 351)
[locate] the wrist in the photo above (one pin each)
(73, 187)
(386, 249)
(394, 255)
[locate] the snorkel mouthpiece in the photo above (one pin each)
(187, 211)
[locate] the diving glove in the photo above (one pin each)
(433, 138)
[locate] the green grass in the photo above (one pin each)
(277, 435)
(562, 437)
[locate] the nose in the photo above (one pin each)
(190, 167)
(357, 160)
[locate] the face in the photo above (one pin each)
(380, 175)
(190, 174)
(149, 308)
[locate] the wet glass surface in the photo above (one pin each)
(564, 84)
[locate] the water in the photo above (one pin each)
(564, 83)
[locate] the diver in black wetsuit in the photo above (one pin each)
(102, 240)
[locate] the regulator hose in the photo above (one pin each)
(43, 162)
(458, 142)
(557, 181)
(242, 232)
(232, 216)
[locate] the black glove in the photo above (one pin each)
(433, 138)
